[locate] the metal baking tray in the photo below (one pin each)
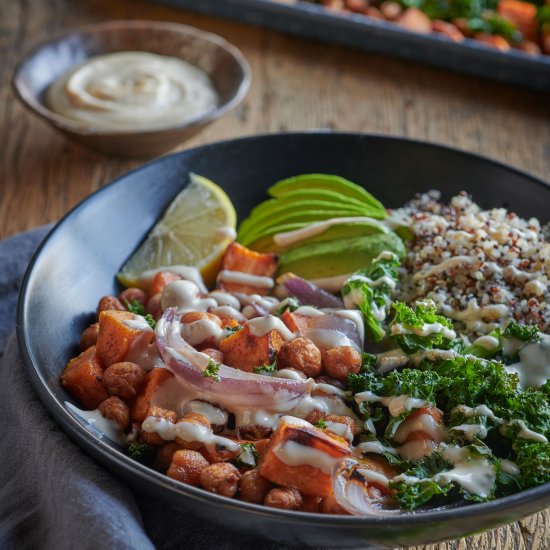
(313, 21)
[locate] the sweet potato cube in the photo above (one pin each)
(115, 337)
(522, 14)
(242, 350)
(154, 379)
(302, 456)
(296, 322)
(240, 258)
(83, 378)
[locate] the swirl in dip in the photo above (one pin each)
(133, 91)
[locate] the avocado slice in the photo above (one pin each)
(347, 230)
(339, 256)
(328, 182)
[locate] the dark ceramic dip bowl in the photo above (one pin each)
(77, 263)
(226, 66)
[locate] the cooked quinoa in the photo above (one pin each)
(480, 267)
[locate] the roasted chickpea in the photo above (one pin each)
(286, 498)
(310, 503)
(391, 10)
(158, 412)
(222, 478)
(341, 361)
(186, 466)
(193, 418)
(254, 487)
(329, 505)
(88, 338)
(164, 456)
(300, 354)
(254, 432)
(108, 303)
(216, 354)
(116, 410)
(154, 306)
(124, 379)
(131, 295)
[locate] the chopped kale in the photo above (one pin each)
(141, 452)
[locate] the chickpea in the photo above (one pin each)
(329, 505)
(286, 498)
(164, 456)
(216, 354)
(341, 361)
(133, 294)
(108, 303)
(357, 6)
(124, 379)
(254, 432)
(186, 466)
(193, 418)
(391, 10)
(222, 478)
(300, 354)
(88, 338)
(254, 487)
(310, 503)
(116, 410)
(154, 306)
(158, 412)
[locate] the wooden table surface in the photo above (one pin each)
(297, 85)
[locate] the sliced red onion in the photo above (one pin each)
(339, 324)
(233, 388)
(309, 294)
(350, 490)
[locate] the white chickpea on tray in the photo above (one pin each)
(350, 359)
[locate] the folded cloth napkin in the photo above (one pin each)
(52, 495)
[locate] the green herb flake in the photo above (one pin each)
(212, 370)
(266, 369)
(135, 307)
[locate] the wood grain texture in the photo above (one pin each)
(297, 85)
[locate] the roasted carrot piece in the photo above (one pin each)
(241, 259)
(242, 350)
(522, 14)
(154, 379)
(307, 478)
(161, 280)
(83, 377)
(115, 337)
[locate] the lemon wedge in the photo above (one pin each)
(195, 231)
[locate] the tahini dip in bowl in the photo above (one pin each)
(133, 88)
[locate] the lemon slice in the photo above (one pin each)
(195, 231)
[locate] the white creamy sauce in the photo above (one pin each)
(425, 330)
(228, 311)
(524, 432)
(242, 278)
(215, 415)
(421, 423)
(257, 417)
(224, 299)
(474, 315)
(353, 315)
(509, 467)
(326, 404)
(133, 91)
(184, 271)
(354, 298)
(373, 477)
(294, 454)
(443, 266)
(103, 425)
(471, 430)
(290, 374)
(199, 331)
(533, 367)
(487, 342)
(416, 449)
(246, 456)
(379, 313)
(325, 338)
(185, 296)
(138, 323)
(384, 280)
(289, 238)
(187, 431)
(329, 389)
(340, 429)
(374, 446)
(263, 325)
(390, 360)
(331, 284)
(396, 405)
(144, 352)
(309, 311)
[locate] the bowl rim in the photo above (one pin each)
(150, 480)
(35, 105)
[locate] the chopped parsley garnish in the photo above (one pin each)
(247, 457)
(233, 329)
(151, 321)
(135, 307)
(321, 424)
(212, 370)
(291, 304)
(266, 369)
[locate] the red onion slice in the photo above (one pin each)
(350, 491)
(235, 388)
(309, 294)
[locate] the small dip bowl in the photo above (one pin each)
(225, 65)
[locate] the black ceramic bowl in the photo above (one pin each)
(226, 66)
(76, 264)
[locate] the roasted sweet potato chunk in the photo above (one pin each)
(83, 377)
(242, 350)
(241, 259)
(115, 337)
(154, 379)
(293, 450)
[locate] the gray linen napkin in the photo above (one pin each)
(52, 495)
